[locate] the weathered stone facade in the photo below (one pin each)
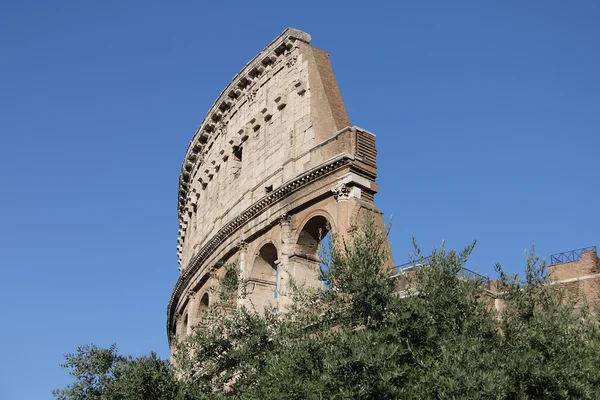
(272, 166)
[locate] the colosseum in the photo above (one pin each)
(274, 165)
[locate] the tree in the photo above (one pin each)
(103, 374)
(363, 338)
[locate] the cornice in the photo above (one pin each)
(247, 215)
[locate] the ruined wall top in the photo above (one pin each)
(256, 136)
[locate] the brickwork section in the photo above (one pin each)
(580, 279)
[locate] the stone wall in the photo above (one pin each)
(274, 161)
(580, 279)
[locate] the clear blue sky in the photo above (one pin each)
(487, 119)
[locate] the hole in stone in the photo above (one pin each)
(244, 82)
(237, 153)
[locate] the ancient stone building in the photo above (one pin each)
(274, 164)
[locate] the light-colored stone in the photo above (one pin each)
(257, 179)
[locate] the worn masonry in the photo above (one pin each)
(274, 164)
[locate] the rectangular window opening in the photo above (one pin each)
(237, 153)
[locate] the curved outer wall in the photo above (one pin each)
(274, 156)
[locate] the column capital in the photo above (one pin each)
(243, 245)
(341, 192)
(285, 219)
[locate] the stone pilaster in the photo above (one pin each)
(192, 308)
(285, 269)
(244, 271)
(341, 193)
(243, 260)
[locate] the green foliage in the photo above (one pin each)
(103, 374)
(362, 337)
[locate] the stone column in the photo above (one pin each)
(341, 193)
(350, 207)
(177, 321)
(244, 270)
(285, 269)
(191, 312)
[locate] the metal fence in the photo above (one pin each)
(569, 256)
(472, 275)
(414, 263)
(464, 272)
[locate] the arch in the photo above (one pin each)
(313, 232)
(203, 305)
(197, 287)
(264, 266)
(204, 302)
(183, 327)
(329, 221)
(260, 244)
(262, 282)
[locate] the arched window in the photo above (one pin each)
(204, 302)
(202, 308)
(263, 278)
(183, 327)
(313, 241)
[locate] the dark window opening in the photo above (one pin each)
(237, 153)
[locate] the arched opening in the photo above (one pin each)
(183, 327)
(204, 302)
(312, 235)
(262, 283)
(311, 249)
(202, 308)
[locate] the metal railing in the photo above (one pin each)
(413, 263)
(474, 276)
(464, 272)
(569, 256)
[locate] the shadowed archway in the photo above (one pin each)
(262, 283)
